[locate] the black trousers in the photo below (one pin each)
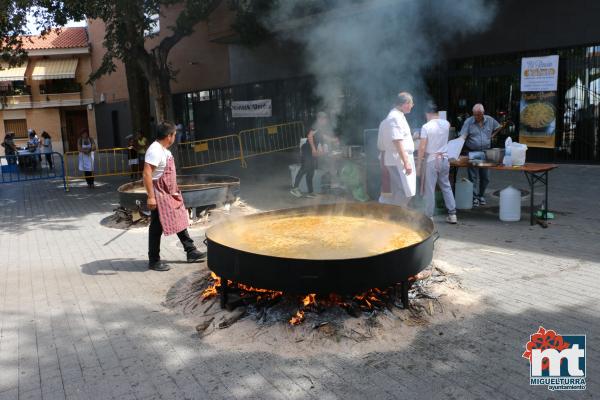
(154, 234)
(308, 165)
(49, 160)
(88, 177)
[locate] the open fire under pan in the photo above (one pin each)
(198, 190)
(326, 275)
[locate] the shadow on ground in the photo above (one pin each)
(114, 266)
(475, 357)
(45, 205)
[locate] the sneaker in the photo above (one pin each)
(310, 195)
(195, 255)
(482, 201)
(296, 193)
(158, 266)
(451, 219)
(475, 202)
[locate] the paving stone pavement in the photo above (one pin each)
(81, 316)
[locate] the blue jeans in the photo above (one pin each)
(480, 178)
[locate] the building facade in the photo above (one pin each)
(214, 69)
(48, 92)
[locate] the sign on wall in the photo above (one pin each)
(539, 74)
(251, 109)
(539, 81)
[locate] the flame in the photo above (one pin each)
(372, 298)
(212, 290)
(335, 299)
(298, 318)
(369, 300)
(310, 300)
(268, 294)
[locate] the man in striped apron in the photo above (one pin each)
(169, 214)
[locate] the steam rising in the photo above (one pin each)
(376, 48)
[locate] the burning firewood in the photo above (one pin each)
(240, 299)
(298, 318)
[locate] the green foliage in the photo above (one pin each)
(13, 20)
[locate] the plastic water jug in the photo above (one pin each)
(510, 204)
(464, 194)
(518, 152)
(507, 145)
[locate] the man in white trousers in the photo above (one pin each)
(433, 165)
(396, 145)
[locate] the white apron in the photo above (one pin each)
(86, 161)
(409, 182)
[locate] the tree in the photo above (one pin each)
(129, 24)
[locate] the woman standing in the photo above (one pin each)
(321, 130)
(141, 144)
(86, 147)
(10, 149)
(47, 148)
(132, 158)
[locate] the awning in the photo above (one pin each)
(8, 74)
(54, 69)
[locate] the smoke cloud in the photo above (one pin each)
(375, 48)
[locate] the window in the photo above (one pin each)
(56, 86)
(204, 95)
(18, 126)
(13, 88)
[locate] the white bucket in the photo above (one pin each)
(464, 194)
(510, 204)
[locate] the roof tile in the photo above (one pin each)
(58, 38)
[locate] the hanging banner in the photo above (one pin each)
(539, 83)
(539, 74)
(537, 125)
(251, 109)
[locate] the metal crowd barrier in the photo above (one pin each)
(209, 151)
(271, 139)
(199, 153)
(26, 167)
(107, 162)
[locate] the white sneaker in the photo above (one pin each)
(296, 193)
(310, 195)
(451, 219)
(482, 201)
